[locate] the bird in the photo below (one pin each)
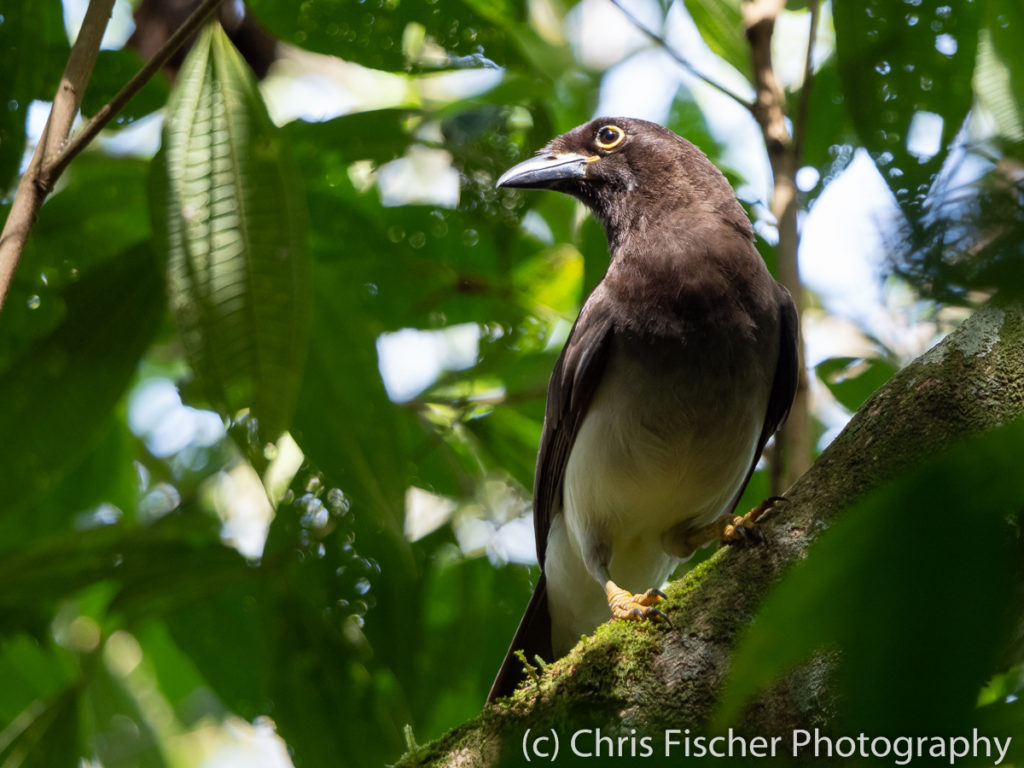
(680, 366)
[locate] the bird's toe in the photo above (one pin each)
(633, 607)
(651, 597)
(745, 527)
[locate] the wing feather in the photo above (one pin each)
(783, 383)
(573, 382)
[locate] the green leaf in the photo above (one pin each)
(37, 704)
(828, 123)
(686, 118)
(458, 590)
(176, 674)
(103, 474)
(345, 422)
(233, 658)
(372, 34)
(157, 568)
(1005, 717)
(52, 739)
(898, 62)
(594, 246)
(99, 214)
(231, 216)
(498, 12)
(909, 578)
(721, 25)
(1005, 23)
(30, 673)
(379, 135)
(999, 78)
(118, 732)
(59, 395)
(510, 440)
(853, 379)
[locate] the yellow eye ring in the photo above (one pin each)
(609, 137)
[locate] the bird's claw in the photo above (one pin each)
(626, 605)
(745, 527)
(742, 528)
(651, 596)
(655, 613)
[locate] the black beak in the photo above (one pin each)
(545, 171)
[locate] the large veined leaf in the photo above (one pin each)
(999, 78)
(233, 223)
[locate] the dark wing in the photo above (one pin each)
(573, 382)
(785, 381)
(786, 371)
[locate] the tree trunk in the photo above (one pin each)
(629, 676)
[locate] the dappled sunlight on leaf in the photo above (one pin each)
(235, 235)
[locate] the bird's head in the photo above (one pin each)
(622, 167)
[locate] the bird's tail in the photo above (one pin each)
(533, 638)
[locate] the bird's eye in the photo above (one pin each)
(609, 136)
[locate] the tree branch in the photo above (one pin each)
(53, 153)
(106, 113)
(31, 189)
(682, 60)
(627, 676)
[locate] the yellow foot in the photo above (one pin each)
(626, 605)
(744, 527)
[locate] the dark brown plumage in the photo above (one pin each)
(680, 366)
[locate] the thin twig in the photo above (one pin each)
(682, 60)
(106, 113)
(31, 191)
(803, 108)
(53, 152)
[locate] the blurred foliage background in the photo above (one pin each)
(272, 368)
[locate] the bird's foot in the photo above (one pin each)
(626, 605)
(745, 527)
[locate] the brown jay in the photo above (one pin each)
(681, 364)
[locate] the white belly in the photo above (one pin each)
(649, 456)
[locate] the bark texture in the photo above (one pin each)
(628, 676)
